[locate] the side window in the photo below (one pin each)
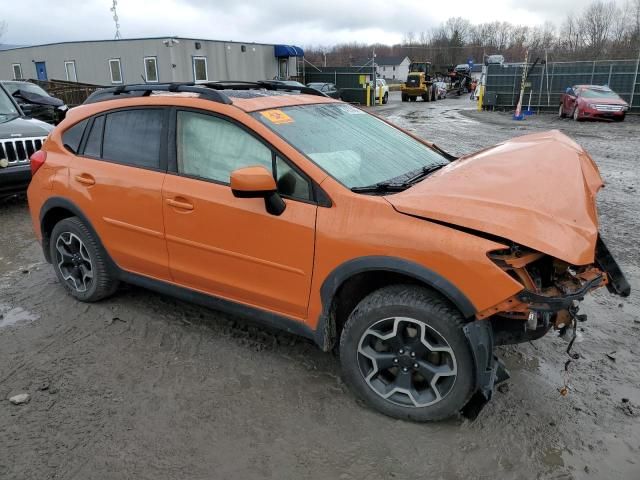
(71, 137)
(291, 183)
(94, 141)
(211, 148)
(133, 137)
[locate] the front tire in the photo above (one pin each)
(404, 353)
(385, 98)
(80, 262)
(576, 115)
(561, 112)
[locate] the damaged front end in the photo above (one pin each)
(550, 299)
(552, 291)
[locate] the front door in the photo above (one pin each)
(41, 70)
(232, 247)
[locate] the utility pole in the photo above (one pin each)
(116, 20)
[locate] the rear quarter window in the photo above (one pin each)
(72, 137)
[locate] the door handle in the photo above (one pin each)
(181, 204)
(85, 179)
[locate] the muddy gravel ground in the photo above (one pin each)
(142, 386)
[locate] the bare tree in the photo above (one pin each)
(596, 24)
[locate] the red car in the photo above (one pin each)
(592, 101)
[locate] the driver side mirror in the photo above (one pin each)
(257, 182)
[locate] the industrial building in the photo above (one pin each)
(151, 60)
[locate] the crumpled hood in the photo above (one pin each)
(536, 190)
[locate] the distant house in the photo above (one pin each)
(389, 68)
(150, 60)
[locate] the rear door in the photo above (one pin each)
(232, 247)
(117, 182)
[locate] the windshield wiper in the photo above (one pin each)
(382, 187)
(423, 172)
(399, 186)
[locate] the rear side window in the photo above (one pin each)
(92, 147)
(73, 136)
(133, 137)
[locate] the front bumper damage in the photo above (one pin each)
(553, 290)
(605, 272)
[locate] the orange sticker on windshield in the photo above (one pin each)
(277, 116)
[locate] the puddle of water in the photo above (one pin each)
(552, 457)
(10, 316)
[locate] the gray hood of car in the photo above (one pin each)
(25, 127)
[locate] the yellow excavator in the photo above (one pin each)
(419, 83)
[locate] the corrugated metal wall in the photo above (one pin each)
(548, 82)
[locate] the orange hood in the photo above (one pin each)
(536, 190)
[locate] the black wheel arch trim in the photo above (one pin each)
(64, 203)
(346, 270)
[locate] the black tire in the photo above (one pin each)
(425, 97)
(561, 113)
(413, 98)
(442, 321)
(620, 118)
(385, 98)
(576, 115)
(405, 97)
(93, 258)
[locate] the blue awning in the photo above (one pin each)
(288, 51)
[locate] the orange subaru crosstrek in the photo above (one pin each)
(313, 216)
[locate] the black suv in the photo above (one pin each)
(35, 101)
(20, 137)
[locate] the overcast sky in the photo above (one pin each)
(302, 22)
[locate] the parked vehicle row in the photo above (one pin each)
(260, 202)
(20, 137)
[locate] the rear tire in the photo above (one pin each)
(413, 98)
(423, 369)
(80, 262)
(405, 97)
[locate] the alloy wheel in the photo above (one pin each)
(74, 261)
(406, 362)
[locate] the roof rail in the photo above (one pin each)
(144, 90)
(207, 90)
(262, 84)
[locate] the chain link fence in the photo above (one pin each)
(546, 83)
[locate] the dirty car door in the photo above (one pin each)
(227, 246)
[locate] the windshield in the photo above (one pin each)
(13, 87)
(355, 148)
(7, 109)
(597, 93)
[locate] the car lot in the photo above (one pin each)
(148, 387)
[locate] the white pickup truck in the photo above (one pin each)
(382, 89)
